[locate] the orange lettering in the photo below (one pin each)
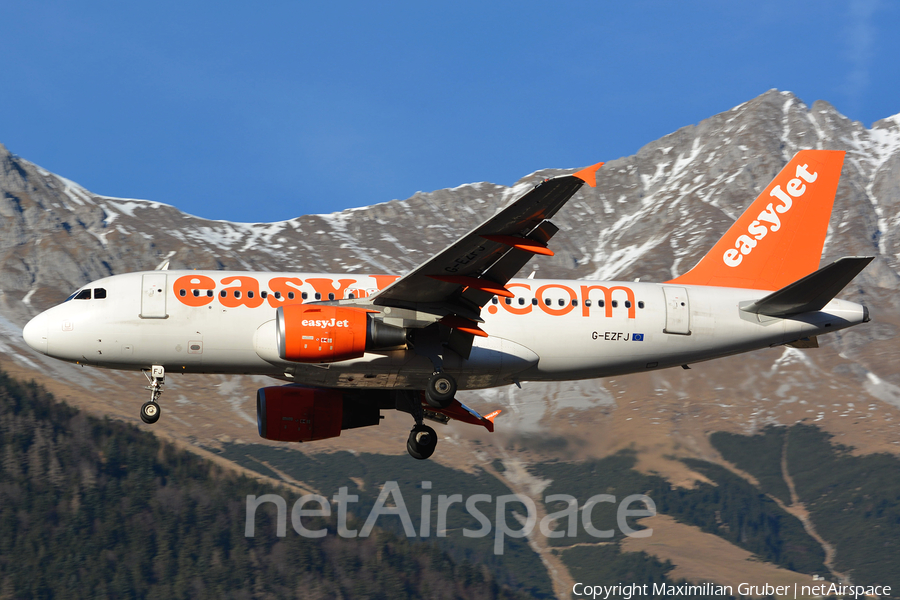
(192, 289)
(284, 286)
(382, 281)
(607, 296)
(556, 312)
(247, 294)
(509, 307)
(326, 286)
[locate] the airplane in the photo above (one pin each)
(349, 346)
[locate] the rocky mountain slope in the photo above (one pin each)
(651, 216)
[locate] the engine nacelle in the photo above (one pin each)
(295, 413)
(318, 334)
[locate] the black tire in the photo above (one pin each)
(440, 391)
(150, 412)
(422, 442)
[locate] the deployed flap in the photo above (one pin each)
(458, 279)
(812, 292)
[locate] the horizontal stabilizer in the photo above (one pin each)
(812, 292)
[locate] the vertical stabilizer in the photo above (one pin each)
(779, 239)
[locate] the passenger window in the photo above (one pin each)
(628, 304)
(318, 296)
(641, 304)
(562, 302)
(494, 300)
(352, 296)
(83, 295)
(209, 293)
(574, 302)
(291, 295)
(331, 296)
(196, 293)
(237, 293)
(547, 301)
(249, 294)
(223, 293)
(99, 293)
(521, 301)
(534, 301)
(615, 303)
(264, 294)
(508, 300)
(278, 295)
(602, 303)
(587, 302)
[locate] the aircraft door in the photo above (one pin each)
(678, 311)
(153, 296)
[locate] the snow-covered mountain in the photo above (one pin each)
(651, 216)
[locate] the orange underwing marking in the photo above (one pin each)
(484, 285)
(492, 415)
(520, 243)
(463, 324)
(589, 174)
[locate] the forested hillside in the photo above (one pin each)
(95, 508)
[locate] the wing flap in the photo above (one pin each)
(475, 253)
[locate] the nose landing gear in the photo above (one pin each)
(150, 411)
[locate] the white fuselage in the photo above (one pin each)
(551, 329)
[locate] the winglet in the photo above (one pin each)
(492, 415)
(589, 174)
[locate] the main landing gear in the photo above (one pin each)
(150, 411)
(422, 439)
(440, 390)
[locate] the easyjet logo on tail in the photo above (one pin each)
(768, 220)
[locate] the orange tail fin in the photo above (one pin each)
(779, 238)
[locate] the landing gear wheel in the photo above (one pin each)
(440, 390)
(422, 442)
(150, 412)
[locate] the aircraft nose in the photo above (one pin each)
(35, 333)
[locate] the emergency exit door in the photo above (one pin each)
(678, 311)
(153, 296)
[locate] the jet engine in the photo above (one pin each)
(296, 413)
(317, 334)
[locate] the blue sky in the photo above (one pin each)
(267, 111)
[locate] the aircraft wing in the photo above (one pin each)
(462, 278)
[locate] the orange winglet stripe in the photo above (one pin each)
(589, 174)
(492, 415)
(463, 324)
(520, 243)
(484, 285)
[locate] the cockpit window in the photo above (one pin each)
(83, 295)
(99, 293)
